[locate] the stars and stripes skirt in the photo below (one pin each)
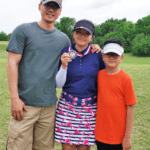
(75, 120)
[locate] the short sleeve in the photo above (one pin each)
(130, 98)
(68, 43)
(17, 40)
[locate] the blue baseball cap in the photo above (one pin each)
(86, 25)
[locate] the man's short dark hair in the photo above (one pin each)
(113, 41)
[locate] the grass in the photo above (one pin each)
(137, 68)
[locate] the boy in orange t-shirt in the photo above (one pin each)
(116, 100)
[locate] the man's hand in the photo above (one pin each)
(65, 58)
(17, 107)
(126, 143)
(96, 48)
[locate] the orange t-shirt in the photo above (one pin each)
(115, 92)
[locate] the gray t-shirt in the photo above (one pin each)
(40, 50)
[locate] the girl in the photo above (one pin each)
(75, 114)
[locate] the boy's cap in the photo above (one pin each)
(113, 47)
(59, 2)
(86, 25)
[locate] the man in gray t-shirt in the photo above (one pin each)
(33, 56)
(39, 50)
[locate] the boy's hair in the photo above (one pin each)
(113, 41)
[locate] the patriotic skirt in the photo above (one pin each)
(75, 120)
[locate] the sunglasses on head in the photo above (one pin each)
(50, 5)
(114, 55)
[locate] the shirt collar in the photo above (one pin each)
(73, 47)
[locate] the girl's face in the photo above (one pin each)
(82, 37)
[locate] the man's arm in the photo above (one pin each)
(17, 106)
(126, 143)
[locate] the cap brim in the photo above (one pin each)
(84, 29)
(51, 1)
(112, 51)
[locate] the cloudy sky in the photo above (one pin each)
(15, 12)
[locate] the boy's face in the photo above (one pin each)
(112, 60)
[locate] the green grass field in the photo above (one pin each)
(137, 68)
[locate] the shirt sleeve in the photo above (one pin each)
(17, 40)
(68, 43)
(62, 73)
(61, 77)
(130, 98)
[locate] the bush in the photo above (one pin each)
(114, 35)
(141, 45)
(4, 36)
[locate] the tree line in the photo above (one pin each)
(4, 36)
(136, 37)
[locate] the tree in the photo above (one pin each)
(114, 35)
(141, 45)
(97, 31)
(3, 36)
(108, 27)
(8, 36)
(143, 25)
(127, 31)
(66, 25)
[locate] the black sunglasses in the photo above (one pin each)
(114, 55)
(54, 6)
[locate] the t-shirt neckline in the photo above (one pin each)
(48, 31)
(113, 74)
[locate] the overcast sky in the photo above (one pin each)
(16, 12)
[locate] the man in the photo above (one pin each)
(33, 56)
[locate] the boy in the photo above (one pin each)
(116, 100)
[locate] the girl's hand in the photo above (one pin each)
(65, 59)
(96, 48)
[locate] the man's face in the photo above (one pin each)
(50, 12)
